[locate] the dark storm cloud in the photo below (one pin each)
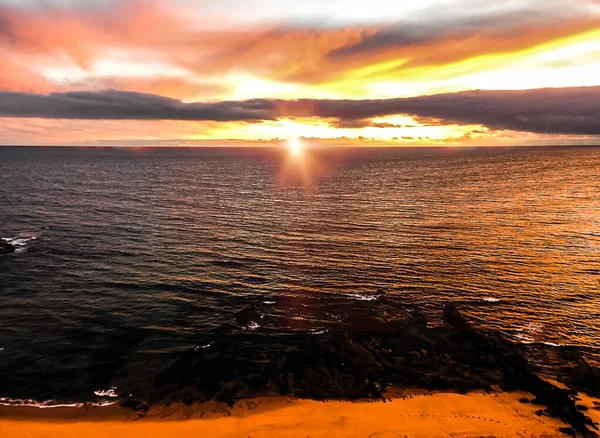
(574, 110)
(125, 105)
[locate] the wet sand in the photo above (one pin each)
(415, 415)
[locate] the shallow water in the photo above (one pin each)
(126, 257)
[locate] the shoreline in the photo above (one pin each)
(452, 364)
(416, 413)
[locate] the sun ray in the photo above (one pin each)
(295, 146)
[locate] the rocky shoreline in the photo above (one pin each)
(362, 364)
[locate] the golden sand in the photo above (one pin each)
(431, 415)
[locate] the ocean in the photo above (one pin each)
(128, 258)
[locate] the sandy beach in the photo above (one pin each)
(415, 415)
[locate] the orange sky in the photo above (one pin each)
(235, 51)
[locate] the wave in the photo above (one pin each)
(252, 326)
(524, 339)
(15, 402)
(363, 297)
(201, 347)
(107, 392)
(553, 344)
(528, 340)
(20, 242)
(318, 332)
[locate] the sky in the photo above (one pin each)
(183, 72)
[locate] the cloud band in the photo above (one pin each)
(572, 110)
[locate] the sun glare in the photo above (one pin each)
(295, 146)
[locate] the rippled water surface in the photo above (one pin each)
(125, 257)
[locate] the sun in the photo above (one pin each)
(295, 146)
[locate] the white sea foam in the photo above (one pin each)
(527, 330)
(252, 326)
(199, 347)
(552, 344)
(363, 297)
(524, 339)
(491, 300)
(5, 401)
(533, 327)
(107, 392)
(20, 242)
(318, 332)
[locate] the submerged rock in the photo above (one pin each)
(454, 319)
(419, 317)
(246, 315)
(6, 248)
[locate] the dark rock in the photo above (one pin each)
(583, 377)
(559, 403)
(399, 362)
(568, 431)
(419, 317)
(454, 319)
(135, 404)
(246, 315)
(360, 364)
(361, 358)
(6, 248)
(524, 400)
